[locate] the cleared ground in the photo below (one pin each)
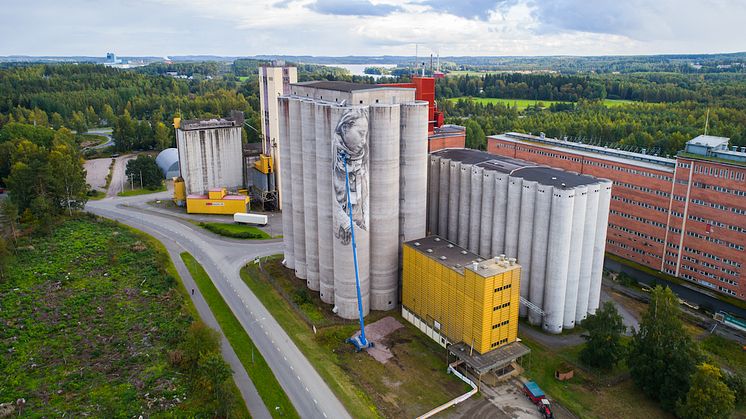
(522, 104)
(96, 172)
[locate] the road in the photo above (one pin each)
(222, 260)
(119, 180)
(104, 132)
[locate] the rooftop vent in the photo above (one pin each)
(450, 246)
(437, 239)
(475, 266)
(457, 266)
(429, 250)
(463, 252)
(443, 258)
(416, 243)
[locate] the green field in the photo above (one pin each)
(89, 317)
(522, 104)
(144, 191)
(237, 231)
(410, 384)
(259, 372)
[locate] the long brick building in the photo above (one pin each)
(684, 216)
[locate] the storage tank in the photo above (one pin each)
(475, 208)
(310, 209)
(296, 168)
(324, 132)
(586, 260)
(543, 205)
(500, 213)
(288, 240)
(488, 204)
(454, 203)
(464, 200)
(558, 259)
(444, 175)
(599, 246)
(576, 254)
(433, 194)
(413, 180)
(384, 205)
(513, 216)
(525, 236)
(351, 126)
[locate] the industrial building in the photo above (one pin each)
(552, 221)
(274, 81)
(217, 201)
(685, 216)
(454, 295)
(381, 133)
(210, 154)
(168, 161)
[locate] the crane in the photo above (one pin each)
(360, 342)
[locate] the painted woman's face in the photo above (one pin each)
(356, 136)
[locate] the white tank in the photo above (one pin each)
(513, 215)
(576, 253)
(287, 195)
(500, 213)
(558, 259)
(310, 209)
(464, 208)
(345, 294)
(433, 194)
(586, 259)
(599, 245)
(413, 171)
(454, 202)
(324, 132)
(543, 205)
(525, 235)
(296, 168)
(475, 207)
(384, 205)
(444, 175)
(488, 203)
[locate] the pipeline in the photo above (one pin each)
(458, 399)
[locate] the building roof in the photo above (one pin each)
(457, 258)
(518, 168)
(489, 361)
(619, 156)
(341, 86)
(709, 141)
(235, 120)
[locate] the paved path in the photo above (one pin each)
(118, 178)
(222, 260)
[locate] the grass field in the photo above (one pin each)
(259, 372)
(522, 104)
(144, 191)
(89, 314)
(409, 385)
(237, 231)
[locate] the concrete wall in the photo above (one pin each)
(287, 198)
(210, 158)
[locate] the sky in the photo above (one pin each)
(371, 27)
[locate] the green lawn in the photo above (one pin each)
(238, 231)
(260, 373)
(144, 191)
(522, 104)
(89, 315)
(409, 385)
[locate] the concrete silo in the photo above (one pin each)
(500, 213)
(513, 216)
(475, 208)
(576, 252)
(413, 172)
(558, 258)
(599, 245)
(287, 197)
(443, 195)
(464, 205)
(296, 173)
(537, 281)
(525, 236)
(488, 204)
(454, 202)
(310, 209)
(586, 258)
(433, 195)
(324, 131)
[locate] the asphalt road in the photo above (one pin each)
(119, 179)
(222, 259)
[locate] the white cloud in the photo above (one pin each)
(335, 27)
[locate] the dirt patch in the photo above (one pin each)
(376, 332)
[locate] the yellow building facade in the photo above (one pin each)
(217, 201)
(455, 296)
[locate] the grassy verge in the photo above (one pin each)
(89, 314)
(144, 191)
(411, 383)
(260, 373)
(237, 231)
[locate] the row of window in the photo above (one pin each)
(496, 344)
(736, 192)
(719, 173)
(716, 241)
(717, 223)
(635, 233)
(739, 211)
(627, 170)
(642, 189)
(634, 249)
(505, 323)
(713, 257)
(636, 218)
(501, 306)
(548, 154)
(504, 287)
(708, 274)
(639, 204)
(707, 264)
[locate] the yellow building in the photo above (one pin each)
(217, 201)
(455, 296)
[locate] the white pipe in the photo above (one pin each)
(458, 399)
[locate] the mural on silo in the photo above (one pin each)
(350, 141)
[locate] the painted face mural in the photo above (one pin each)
(350, 141)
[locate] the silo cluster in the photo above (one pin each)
(385, 147)
(553, 222)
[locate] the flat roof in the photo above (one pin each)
(457, 258)
(343, 86)
(489, 361)
(611, 154)
(709, 140)
(197, 124)
(544, 175)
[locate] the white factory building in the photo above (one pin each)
(552, 221)
(210, 154)
(382, 133)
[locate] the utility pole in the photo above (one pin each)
(140, 179)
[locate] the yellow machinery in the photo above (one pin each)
(217, 201)
(264, 164)
(179, 191)
(177, 122)
(454, 296)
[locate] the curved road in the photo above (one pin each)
(222, 260)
